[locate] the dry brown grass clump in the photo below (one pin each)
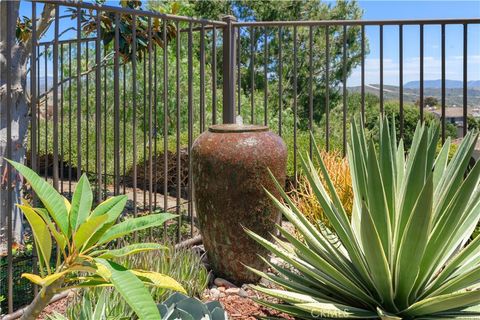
(339, 171)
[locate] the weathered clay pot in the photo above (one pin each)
(229, 172)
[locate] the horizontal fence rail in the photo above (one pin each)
(124, 103)
(303, 69)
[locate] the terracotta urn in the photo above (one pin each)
(230, 169)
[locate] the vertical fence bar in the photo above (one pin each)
(190, 118)
(362, 85)
(61, 118)
(156, 125)
(55, 98)
(9, 190)
(69, 118)
(79, 92)
(98, 111)
(124, 122)
(33, 112)
(239, 69)
(202, 78)
(295, 116)
(165, 121)
(265, 84)
(381, 69)
(310, 88)
(327, 87)
(280, 77)
(229, 70)
(214, 75)
(443, 83)
(178, 132)
(421, 71)
(87, 107)
(344, 94)
(105, 123)
(400, 79)
(45, 115)
(134, 114)
(33, 90)
(252, 75)
(144, 121)
(150, 115)
(116, 106)
(465, 78)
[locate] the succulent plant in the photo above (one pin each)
(405, 253)
(180, 306)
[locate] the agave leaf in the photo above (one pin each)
(40, 232)
(308, 269)
(128, 250)
(290, 309)
(316, 241)
(130, 288)
(339, 223)
(441, 245)
(100, 307)
(464, 280)
(318, 262)
(378, 206)
(413, 243)
(159, 280)
(453, 175)
(332, 311)
(81, 203)
(135, 224)
(87, 229)
(443, 303)
(50, 198)
(469, 256)
(376, 258)
(441, 162)
(387, 168)
(314, 238)
(415, 176)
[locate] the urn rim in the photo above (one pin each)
(236, 128)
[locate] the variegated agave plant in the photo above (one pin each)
(404, 254)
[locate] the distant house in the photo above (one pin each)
(454, 115)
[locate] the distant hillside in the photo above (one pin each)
(437, 84)
(454, 96)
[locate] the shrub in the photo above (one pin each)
(81, 236)
(403, 255)
(304, 196)
(183, 265)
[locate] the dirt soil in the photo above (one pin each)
(238, 307)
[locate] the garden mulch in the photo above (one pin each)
(238, 307)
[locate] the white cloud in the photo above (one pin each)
(411, 69)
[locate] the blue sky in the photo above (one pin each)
(379, 10)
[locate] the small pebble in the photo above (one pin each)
(219, 282)
(214, 293)
(221, 289)
(232, 290)
(242, 293)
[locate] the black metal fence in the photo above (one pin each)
(120, 95)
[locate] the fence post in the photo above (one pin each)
(229, 60)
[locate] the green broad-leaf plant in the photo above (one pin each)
(81, 236)
(404, 254)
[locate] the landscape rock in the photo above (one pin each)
(219, 282)
(232, 290)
